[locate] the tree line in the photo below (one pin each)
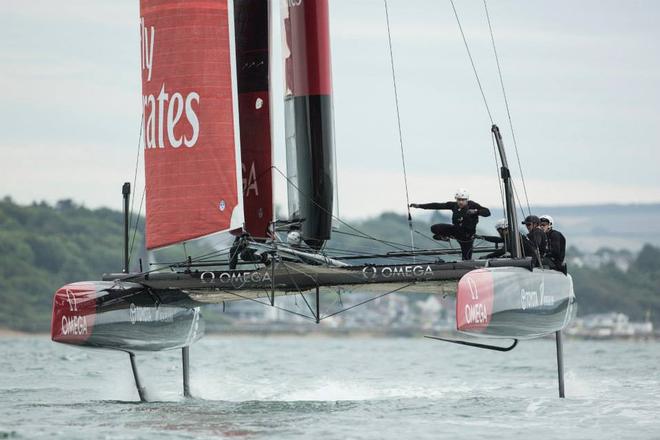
(43, 247)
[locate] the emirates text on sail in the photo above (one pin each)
(163, 112)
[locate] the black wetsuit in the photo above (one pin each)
(556, 251)
(464, 224)
(535, 245)
(506, 248)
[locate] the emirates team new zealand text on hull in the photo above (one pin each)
(124, 316)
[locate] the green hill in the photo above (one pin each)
(43, 247)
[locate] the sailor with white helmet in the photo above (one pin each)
(556, 251)
(502, 228)
(465, 216)
(294, 238)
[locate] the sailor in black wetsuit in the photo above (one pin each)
(556, 252)
(502, 228)
(535, 243)
(465, 216)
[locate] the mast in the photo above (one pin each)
(505, 174)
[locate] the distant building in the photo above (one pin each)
(609, 325)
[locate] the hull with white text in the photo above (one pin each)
(123, 316)
(512, 302)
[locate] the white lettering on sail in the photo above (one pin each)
(150, 126)
(147, 52)
(162, 99)
(192, 119)
(250, 182)
(176, 104)
(164, 111)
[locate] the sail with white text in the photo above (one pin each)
(191, 120)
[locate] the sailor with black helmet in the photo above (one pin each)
(465, 216)
(556, 251)
(535, 243)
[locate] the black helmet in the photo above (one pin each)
(531, 219)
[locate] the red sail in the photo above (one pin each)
(252, 56)
(192, 148)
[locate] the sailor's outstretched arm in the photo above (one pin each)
(491, 238)
(446, 205)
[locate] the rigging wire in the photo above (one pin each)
(506, 103)
(135, 173)
(364, 234)
(137, 223)
(346, 309)
(398, 120)
(483, 96)
(137, 160)
(474, 68)
(380, 240)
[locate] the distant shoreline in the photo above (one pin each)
(6, 333)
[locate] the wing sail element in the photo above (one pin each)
(191, 130)
(252, 18)
(308, 117)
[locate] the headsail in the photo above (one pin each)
(308, 117)
(192, 146)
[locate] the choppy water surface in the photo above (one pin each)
(331, 388)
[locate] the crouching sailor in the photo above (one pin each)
(465, 216)
(502, 228)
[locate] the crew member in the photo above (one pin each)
(502, 228)
(241, 248)
(465, 216)
(535, 243)
(294, 239)
(556, 252)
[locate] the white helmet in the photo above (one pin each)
(294, 238)
(462, 193)
(547, 218)
(502, 224)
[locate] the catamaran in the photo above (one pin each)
(208, 151)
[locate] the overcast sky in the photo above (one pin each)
(583, 81)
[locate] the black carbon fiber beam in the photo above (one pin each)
(560, 362)
(140, 389)
(126, 193)
(185, 360)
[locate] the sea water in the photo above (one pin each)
(332, 388)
